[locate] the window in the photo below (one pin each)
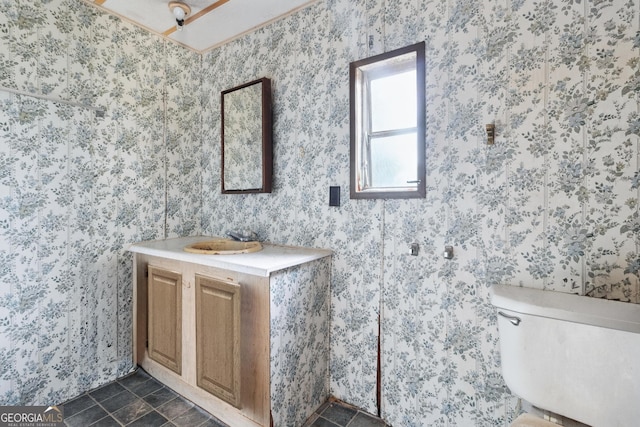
(387, 125)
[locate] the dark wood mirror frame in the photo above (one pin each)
(267, 142)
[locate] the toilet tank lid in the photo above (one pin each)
(568, 307)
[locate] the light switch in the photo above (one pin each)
(334, 196)
(414, 248)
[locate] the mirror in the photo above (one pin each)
(247, 160)
(387, 121)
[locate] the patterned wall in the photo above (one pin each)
(553, 204)
(299, 338)
(76, 189)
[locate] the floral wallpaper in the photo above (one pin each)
(299, 341)
(552, 205)
(100, 157)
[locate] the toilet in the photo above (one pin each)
(571, 356)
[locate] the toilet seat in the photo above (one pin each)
(528, 420)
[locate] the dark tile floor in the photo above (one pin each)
(135, 400)
(338, 414)
(138, 400)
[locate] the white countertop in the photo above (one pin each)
(262, 263)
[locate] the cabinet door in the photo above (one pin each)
(165, 318)
(218, 337)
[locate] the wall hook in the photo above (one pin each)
(448, 252)
(491, 133)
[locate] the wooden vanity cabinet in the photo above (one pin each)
(222, 349)
(244, 337)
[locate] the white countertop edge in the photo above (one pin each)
(272, 258)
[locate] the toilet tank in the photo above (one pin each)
(576, 356)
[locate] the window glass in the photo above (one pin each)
(393, 102)
(393, 160)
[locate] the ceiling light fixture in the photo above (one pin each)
(180, 11)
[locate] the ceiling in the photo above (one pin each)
(210, 23)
